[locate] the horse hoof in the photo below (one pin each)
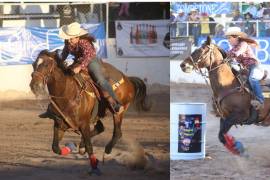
(95, 171)
(82, 151)
(108, 150)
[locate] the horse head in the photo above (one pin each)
(203, 57)
(43, 67)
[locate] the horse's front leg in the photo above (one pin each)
(117, 132)
(85, 130)
(98, 128)
(57, 137)
(227, 140)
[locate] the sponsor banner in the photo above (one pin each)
(22, 45)
(180, 47)
(209, 7)
(142, 38)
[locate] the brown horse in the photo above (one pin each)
(232, 100)
(75, 107)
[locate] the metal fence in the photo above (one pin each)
(254, 28)
(50, 14)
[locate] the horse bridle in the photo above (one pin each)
(200, 59)
(42, 76)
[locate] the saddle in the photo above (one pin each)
(87, 84)
(242, 78)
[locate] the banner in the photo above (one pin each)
(142, 38)
(180, 47)
(209, 7)
(262, 53)
(22, 45)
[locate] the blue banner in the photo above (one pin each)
(209, 7)
(262, 53)
(22, 45)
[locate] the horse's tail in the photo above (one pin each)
(140, 98)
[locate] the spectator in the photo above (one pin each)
(124, 10)
(250, 27)
(66, 14)
(219, 31)
(180, 23)
(172, 24)
(252, 9)
(260, 10)
(267, 24)
(85, 15)
(212, 25)
(194, 18)
(237, 17)
(205, 28)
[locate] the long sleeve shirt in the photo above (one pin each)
(83, 52)
(243, 54)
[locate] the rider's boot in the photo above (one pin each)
(116, 106)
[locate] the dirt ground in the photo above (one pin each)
(219, 163)
(25, 145)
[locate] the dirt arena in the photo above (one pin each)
(219, 163)
(25, 145)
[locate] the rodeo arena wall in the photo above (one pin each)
(136, 46)
(214, 19)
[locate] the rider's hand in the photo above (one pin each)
(77, 69)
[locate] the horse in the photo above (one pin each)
(232, 100)
(75, 106)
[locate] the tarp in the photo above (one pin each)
(21, 45)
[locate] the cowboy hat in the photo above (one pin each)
(180, 11)
(235, 31)
(72, 30)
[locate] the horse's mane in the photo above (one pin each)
(53, 54)
(222, 51)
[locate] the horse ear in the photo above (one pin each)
(208, 40)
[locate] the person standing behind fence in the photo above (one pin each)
(219, 31)
(205, 28)
(250, 27)
(237, 17)
(252, 9)
(172, 24)
(194, 19)
(85, 14)
(181, 25)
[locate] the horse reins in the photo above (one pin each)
(50, 97)
(195, 64)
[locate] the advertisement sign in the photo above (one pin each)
(142, 38)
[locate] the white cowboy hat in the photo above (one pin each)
(235, 31)
(72, 30)
(193, 9)
(180, 11)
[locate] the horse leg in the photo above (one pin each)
(227, 140)
(98, 128)
(85, 130)
(117, 133)
(57, 137)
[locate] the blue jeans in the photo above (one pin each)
(255, 84)
(196, 33)
(95, 71)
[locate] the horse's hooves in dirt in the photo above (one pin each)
(95, 171)
(108, 149)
